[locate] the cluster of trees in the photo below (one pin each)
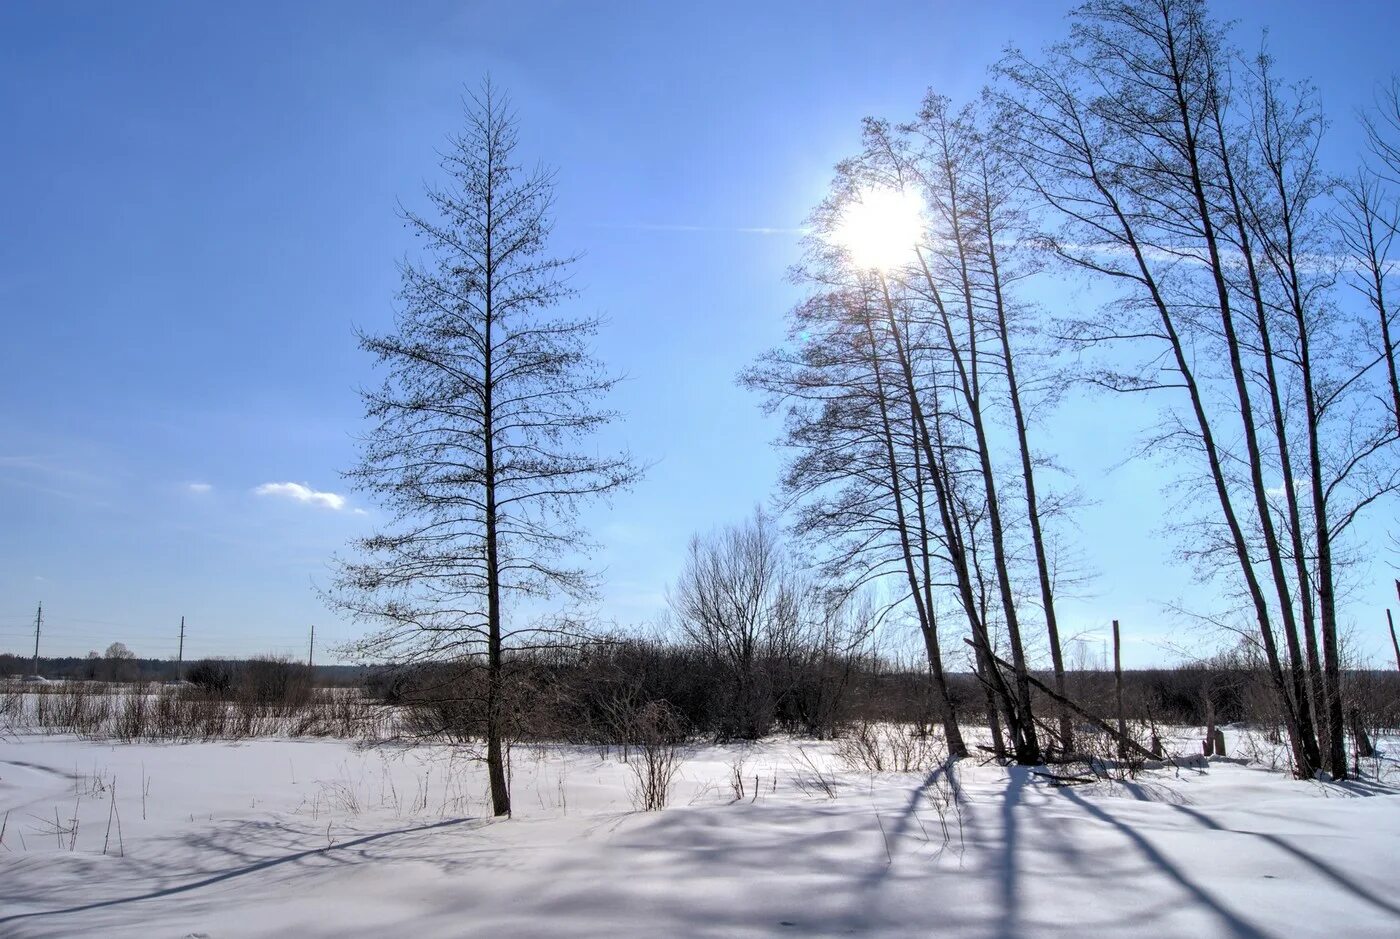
(1248, 293)
(776, 645)
(117, 663)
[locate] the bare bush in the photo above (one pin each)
(890, 748)
(192, 712)
(655, 744)
(810, 779)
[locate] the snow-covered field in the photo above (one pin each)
(321, 838)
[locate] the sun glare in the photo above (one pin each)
(880, 227)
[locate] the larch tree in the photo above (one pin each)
(476, 439)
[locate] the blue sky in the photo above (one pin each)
(199, 206)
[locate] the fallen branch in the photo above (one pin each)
(1123, 739)
(1059, 780)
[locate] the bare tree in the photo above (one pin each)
(981, 222)
(939, 299)
(740, 600)
(854, 479)
(1109, 132)
(1192, 183)
(883, 390)
(474, 438)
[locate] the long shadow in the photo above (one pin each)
(1235, 925)
(910, 814)
(1017, 778)
(899, 827)
(911, 811)
(1364, 787)
(1322, 867)
(237, 872)
(903, 820)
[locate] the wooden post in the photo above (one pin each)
(1391, 620)
(1118, 689)
(1361, 740)
(1208, 744)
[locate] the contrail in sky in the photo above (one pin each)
(750, 230)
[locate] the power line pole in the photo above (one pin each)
(38, 621)
(311, 652)
(180, 656)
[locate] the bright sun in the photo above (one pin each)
(880, 227)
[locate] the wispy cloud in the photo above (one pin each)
(198, 488)
(300, 492)
(52, 477)
(742, 229)
(47, 466)
(1300, 485)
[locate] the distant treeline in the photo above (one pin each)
(590, 695)
(102, 668)
(593, 693)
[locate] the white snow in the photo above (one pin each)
(321, 838)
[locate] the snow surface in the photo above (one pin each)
(322, 838)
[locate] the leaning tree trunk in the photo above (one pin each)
(1042, 563)
(953, 735)
(957, 555)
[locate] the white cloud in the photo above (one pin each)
(302, 493)
(1300, 486)
(198, 488)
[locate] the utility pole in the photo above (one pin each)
(311, 651)
(180, 656)
(38, 621)
(1118, 690)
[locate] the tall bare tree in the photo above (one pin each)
(854, 479)
(1189, 178)
(891, 454)
(473, 445)
(952, 280)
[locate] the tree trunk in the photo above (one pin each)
(1027, 748)
(495, 756)
(1395, 643)
(1042, 563)
(927, 626)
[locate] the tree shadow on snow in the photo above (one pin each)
(337, 850)
(1233, 924)
(1317, 864)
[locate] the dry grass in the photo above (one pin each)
(133, 713)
